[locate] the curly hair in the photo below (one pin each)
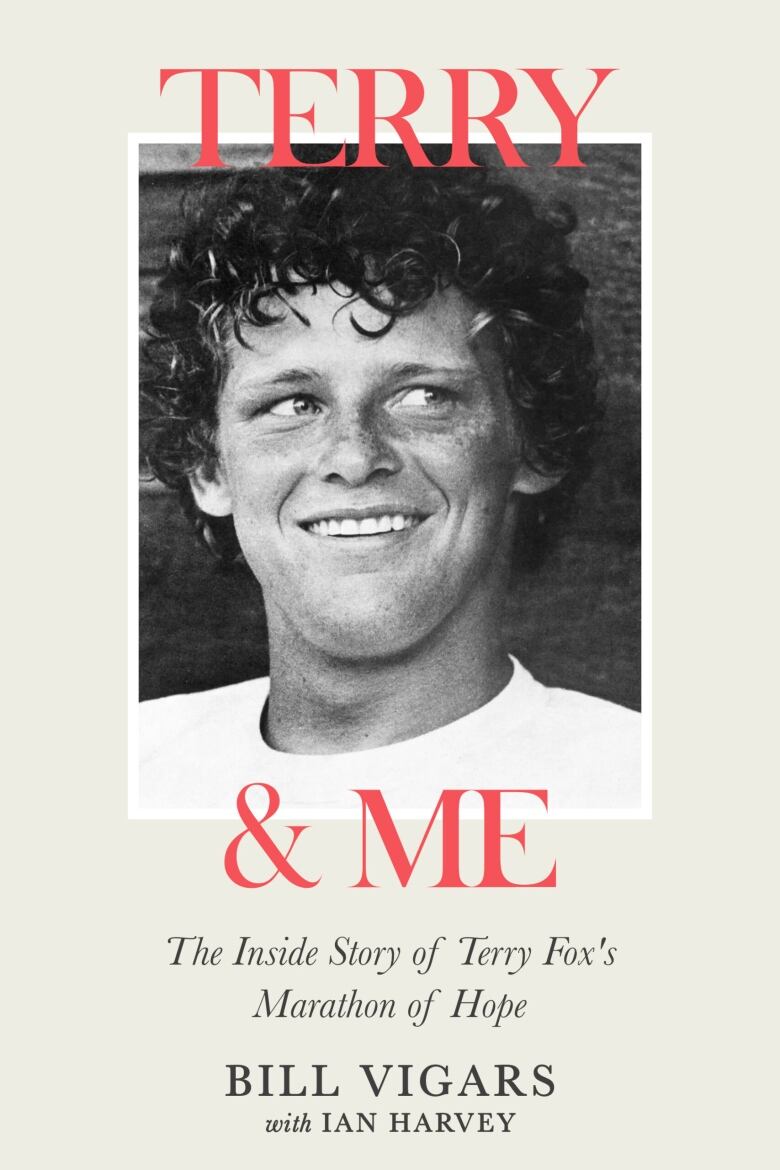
(394, 237)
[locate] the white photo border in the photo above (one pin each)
(643, 811)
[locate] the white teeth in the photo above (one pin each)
(368, 526)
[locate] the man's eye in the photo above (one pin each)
(423, 396)
(299, 406)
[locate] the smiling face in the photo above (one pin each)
(371, 479)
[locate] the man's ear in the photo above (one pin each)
(211, 491)
(529, 482)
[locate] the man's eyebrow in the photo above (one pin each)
(295, 376)
(421, 369)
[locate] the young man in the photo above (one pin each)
(371, 373)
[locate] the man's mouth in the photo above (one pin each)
(376, 525)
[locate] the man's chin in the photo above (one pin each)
(370, 637)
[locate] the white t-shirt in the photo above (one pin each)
(197, 751)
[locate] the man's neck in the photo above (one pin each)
(321, 705)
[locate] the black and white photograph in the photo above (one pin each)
(390, 479)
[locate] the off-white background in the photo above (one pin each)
(116, 1060)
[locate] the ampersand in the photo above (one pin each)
(254, 828)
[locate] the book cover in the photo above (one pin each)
(442, 886)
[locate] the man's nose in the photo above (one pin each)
(357, 447)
